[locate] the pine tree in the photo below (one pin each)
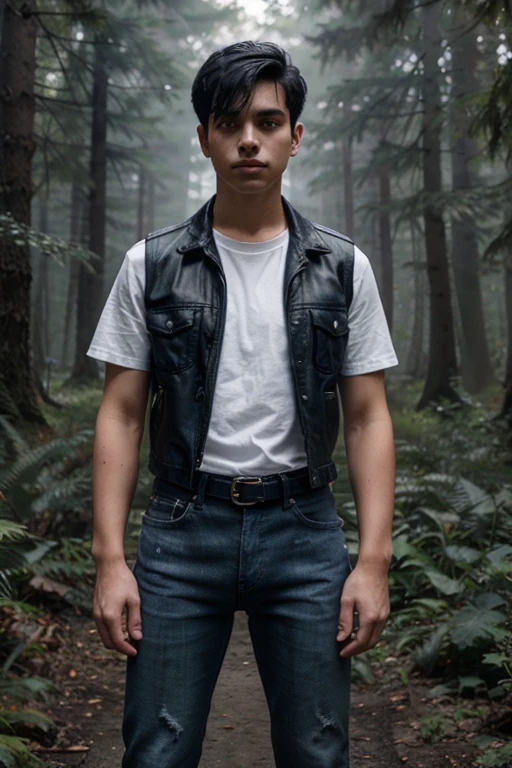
(17, 109)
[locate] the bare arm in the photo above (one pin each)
(371, 465)
(119, 429)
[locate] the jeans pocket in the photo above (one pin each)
(317, 509)
(166, 512)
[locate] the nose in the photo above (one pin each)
(248, 142)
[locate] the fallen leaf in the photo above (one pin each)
(48, 585)
(404, 696)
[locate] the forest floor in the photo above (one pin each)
(392, 724)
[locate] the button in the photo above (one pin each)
(335, 323)
(296, 321)
(169, 324)
(299, 362)
(304, 397)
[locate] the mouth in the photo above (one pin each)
(250, 164)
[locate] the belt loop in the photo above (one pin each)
(201, 488)
(287, 502)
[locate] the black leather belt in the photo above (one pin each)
(246, 490)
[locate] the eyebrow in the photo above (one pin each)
(271, 113)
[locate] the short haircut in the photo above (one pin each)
(224, 84)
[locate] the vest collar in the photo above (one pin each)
(304, 238)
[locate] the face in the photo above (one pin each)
(250, 151)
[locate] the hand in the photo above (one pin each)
(366, 591)
(116, 591)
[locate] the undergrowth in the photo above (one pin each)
(451, 575)
(450, 578)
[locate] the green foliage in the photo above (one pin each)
(14, 753)
(47, 488)
(14, 693)
(477, 621)
(434, 727)
(496, 756)
(451, 576)
(30, 477)
(444, 554)
(52, 247)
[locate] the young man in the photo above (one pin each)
(244, 321)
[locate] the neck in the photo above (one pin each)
(249, 218)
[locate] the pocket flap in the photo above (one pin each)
(167, 322)
(334, 321)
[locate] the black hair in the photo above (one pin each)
(224, 84)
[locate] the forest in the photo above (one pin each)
(407, 150)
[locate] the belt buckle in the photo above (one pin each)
(235, 495)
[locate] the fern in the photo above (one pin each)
(467, 497)
(19, 442)
(71, 560)
(29, 465)
(63, 492)
(11, 531)
(24, 689)
(9, 718)
(14, 753)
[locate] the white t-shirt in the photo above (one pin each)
(254, 427)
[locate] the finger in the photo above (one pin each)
(377, 632)
(115, 630)
(358, 644)
(346, 618)
(103, 632)
(364, 639)
(134, 623)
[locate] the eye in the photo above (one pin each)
(269, 124)
(226, 124)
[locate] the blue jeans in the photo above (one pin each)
(285, 565)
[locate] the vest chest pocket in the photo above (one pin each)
(330, 332)
(174, 333)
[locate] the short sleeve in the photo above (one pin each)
(121, 335)
(369, 346)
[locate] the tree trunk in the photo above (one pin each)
(40, 320)
(476, 367)
(17, 146)
(442, 362)
(507, 401)
(348, 186)
(386, 245)
(415, 359)
(90, 286)
(151, 205)
(77, 235)
(141, 199)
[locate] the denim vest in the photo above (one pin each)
(185, 302)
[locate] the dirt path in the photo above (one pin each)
(385, 722)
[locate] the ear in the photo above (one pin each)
(298, 133)
(203, 140)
